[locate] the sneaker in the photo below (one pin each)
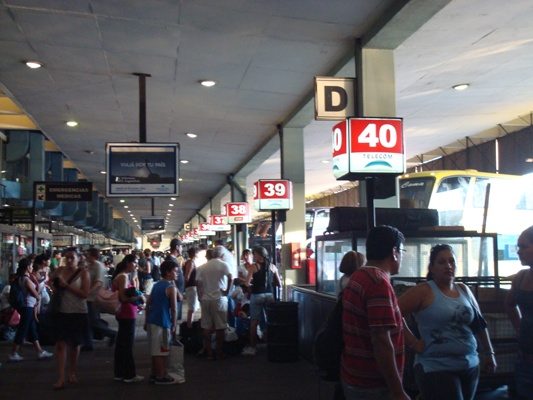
(118, 378)
(43, 355)
(249, 351)
(135, 379)
(15, 357)
(180, 379)
(166, 380)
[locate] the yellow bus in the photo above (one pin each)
(460, 196)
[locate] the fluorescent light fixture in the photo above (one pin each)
(71, 123)
(103, 172)
(170, 205)
(33, 64)
(173, 198)
(126, 207)
(191, 135)
(325, 161)
(184, 161)
(208, 83)
(180, 179)
(122, 200)
(529, 160)
(460, 87)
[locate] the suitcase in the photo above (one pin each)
(345, 219)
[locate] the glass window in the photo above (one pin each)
(415, 193)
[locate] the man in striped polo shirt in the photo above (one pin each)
(373, 356)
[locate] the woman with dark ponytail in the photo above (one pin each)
(262, 277)
(122, 282)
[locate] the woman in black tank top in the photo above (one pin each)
(262, 277)
(519, 305)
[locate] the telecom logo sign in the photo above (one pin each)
(368, 146)
(204, 229)
(219, 223)
(272, 194)
(341, 159)
(238, 213)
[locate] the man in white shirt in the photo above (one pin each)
(214, 281)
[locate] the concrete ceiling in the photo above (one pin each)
(263, 55)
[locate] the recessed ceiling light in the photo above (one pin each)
(122, 200)
(184, 161)
(180, 179)
(460, 87)
(529, 160)
(208, 83)
(170, 205)
(71, 123)
(191, 135)
(126, 206)
(103, 172)
(325, 161)
(33, 64)
(173, 198)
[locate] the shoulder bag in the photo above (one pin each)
(478, 323)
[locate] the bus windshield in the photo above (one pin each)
(416, 192)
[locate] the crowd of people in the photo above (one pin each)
(451, 342)
(64, 288)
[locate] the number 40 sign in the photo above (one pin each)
(272, 194)
(368, 146)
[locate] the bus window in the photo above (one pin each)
(416, 192)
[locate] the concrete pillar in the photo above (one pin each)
(376, 96)
(293, 169)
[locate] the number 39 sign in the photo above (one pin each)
(272, 194)
(368, 146)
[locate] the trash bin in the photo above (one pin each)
(282, 331)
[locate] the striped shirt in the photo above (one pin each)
(368, 302)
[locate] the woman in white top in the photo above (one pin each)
(27, 328)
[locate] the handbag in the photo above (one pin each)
(175, 361)
(478, 323)
(107, 301)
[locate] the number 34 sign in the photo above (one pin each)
(368, 146)
(272, 194)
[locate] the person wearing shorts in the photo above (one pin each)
(160, 322)
(213, 282)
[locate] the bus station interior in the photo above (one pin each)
(258, 122)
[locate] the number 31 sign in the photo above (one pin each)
(272, 194)
(368, 146)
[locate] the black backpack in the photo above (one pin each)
(328, 344)
(17, 298)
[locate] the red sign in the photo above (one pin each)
(238, 213)
(368, 146)
(219, 223)
(273, 194)
(339, 147)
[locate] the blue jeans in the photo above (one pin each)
(446, 385)
(27, 328)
